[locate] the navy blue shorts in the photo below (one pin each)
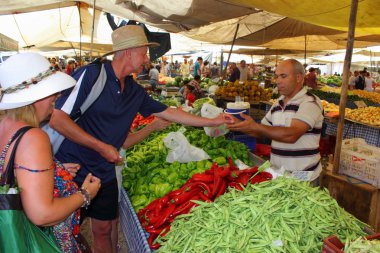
(105, 205)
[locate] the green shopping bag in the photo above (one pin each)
(17, 233)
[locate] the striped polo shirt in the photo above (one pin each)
(303, 155)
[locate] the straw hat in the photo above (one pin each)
(129, 36)
(26, 78)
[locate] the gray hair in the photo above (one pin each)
(297, 67)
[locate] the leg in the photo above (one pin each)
(114, 235)
(102, 235)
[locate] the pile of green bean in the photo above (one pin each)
(361, 245)
(282, 215)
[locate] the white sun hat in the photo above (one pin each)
(26, 78)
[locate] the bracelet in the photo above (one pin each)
(86, 197)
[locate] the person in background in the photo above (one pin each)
(234, 73)
(185, 68)
(311, 79)
(293, 129)
(205, 69)
(191, 66)
(197, 66)
(190, 97)
(153, 76)
(70, 68)
(54, 65)
(214, 71)
(49, 196)
(368, 82)
(251, 71)
(163, 69)
(95, 139)
(197, 88)
(243, 69)
(351, 81)
(360, 81)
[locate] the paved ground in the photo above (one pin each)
(86, 232)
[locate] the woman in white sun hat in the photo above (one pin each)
(28, 89)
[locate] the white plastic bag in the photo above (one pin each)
(211, 111)
(181, 150)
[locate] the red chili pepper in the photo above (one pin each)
(222, 188)
(251, 170)
(234, 174)
(266, 175)
(243, 179)
(209, 171)
(161, 204)
(220, 173)
(151, 239)
(235, 185)
(185, 196)
(198, 177)
(166, 230)
(202, 186)
(184, 206)
(232, 166)
(204, 197)
(165, 215)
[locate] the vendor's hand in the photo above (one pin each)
(92, 184)
(245, 126)
(72, 168)
(110, 153)
(160, 124)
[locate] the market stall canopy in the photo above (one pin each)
(8, 44)
(170, 15)
(327, 13)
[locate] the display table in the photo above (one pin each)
(135, 235)
(370, 134)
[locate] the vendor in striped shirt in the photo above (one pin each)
(293, 123)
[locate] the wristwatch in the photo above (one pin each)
(86, 197)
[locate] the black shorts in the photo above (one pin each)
(105, 205)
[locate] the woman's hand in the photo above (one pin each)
(91, 184)
(72, 168)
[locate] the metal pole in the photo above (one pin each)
(229, 54)
(92, 31)
(80, 33)
(346, 71)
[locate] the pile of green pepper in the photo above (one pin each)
(148, 176)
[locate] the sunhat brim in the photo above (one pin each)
(48, 86)
(149, 44)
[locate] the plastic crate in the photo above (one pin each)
(361, 161)
(332, 244)
(248, 140)
(134, 234)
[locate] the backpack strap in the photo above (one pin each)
(95, 92)
(9, 174)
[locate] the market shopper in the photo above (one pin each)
(197, 88)
(234, 73)
(94, 140)
(311, 79)
(243, 69)
(48, 195)
(153, 76)
(293, 123)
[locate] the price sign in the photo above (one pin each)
(360, 104)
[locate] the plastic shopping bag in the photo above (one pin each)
(211, 111)
(181, 150)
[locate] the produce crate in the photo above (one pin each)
(134, 234)
(361, 161)
(248, 140)
(332, 244)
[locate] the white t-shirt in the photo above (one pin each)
(368, 84)
(153, 74)
(243, 74)
(304, 153)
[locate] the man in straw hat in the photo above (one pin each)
(94, 140)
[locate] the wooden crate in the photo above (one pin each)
(356, 197)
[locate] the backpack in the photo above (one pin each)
(56, 138)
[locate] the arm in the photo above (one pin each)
(278, 133)
(179, 116)
(61, 122)
(136, 137)
(34, 152)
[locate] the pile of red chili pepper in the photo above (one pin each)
(157, 217)
(139, 121)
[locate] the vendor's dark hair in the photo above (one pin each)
(197, 77)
